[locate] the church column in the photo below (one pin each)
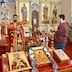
(30, 15)
(17, 8)
(50, 13)
(40, 14)
(59, 8)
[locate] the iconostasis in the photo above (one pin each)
(7, 9)
(38, 13)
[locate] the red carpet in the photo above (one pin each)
(0, 66)
(68, 50)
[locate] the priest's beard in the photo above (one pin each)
(15, 20)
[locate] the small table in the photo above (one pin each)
(63, 67)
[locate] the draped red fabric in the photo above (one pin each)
(11, 29)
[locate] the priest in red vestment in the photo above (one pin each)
(16, 36)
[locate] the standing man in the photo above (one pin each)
(61, 33)
(16, 35)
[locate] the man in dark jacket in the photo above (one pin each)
(61, 33)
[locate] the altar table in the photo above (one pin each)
(63, 67)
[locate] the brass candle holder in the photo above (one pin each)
(52, 40)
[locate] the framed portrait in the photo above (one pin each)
(61, 55)
(40, 55)
(45, 13)
(24, 12)
(18, 61)
(54, 11)
(5, 17)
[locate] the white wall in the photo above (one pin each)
(66, 9)
(12, 1)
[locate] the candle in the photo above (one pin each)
(6, 29)
(34, 21)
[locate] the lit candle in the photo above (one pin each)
(6, 29)
(34, 21)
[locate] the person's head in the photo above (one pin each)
(45, 5)
(15, 18)
(55, 6)
(61, 17)
(24, 4)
